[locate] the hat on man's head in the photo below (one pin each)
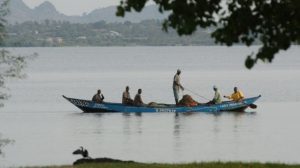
(178, 70)
(215, 87)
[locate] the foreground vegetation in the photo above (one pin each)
(275, 23)
(190, 165)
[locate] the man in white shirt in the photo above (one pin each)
(217, 98)
(177, 85)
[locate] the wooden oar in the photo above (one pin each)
(253, 106)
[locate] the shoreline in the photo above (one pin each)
(216, 164)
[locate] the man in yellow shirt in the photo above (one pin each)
(236, 96)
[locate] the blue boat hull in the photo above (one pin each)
(105, 107)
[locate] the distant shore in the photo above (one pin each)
(186, 165)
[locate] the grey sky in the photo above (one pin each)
(74, 7)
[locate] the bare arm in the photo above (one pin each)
(178, 84)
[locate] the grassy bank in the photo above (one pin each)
(190, 165)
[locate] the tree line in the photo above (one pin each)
(62, 33)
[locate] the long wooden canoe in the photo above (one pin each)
(89, 106)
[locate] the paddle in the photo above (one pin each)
(253, 106)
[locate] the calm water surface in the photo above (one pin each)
(47, 129)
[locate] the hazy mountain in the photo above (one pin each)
(46, 11)
(20, 12)
(108, 14)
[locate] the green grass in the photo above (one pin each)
(189, 165)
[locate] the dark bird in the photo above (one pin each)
(81, 151)
(87, 159)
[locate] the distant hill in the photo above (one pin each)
(20, 12)
(53, 33)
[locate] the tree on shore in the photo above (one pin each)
(275, 23)
(4, 142)
(10, 65)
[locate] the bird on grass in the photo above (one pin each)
(81, 151)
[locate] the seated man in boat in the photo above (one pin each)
(237, 95)
(126, 99)
(98, 97)
(138, 99)
(217, 98)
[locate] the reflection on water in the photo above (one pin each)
(176, 125)
(132, 123)
(161, 137)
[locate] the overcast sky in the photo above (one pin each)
(74, 7)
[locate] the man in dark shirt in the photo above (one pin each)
(98, 97)
(126, 99)
(138, 98)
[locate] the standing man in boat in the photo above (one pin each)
(177, 85)
(98, 97)
(126, 99)
(237, 95)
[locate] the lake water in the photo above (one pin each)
(47, 129)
